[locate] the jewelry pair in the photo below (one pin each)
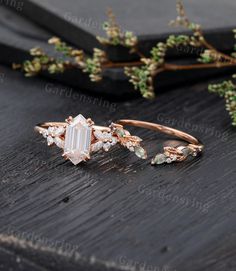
(80, 138)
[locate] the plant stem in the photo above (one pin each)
(110, 64)
(210, 47)
(174, 67)
(171, 67)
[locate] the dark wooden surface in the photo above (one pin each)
(116, 207)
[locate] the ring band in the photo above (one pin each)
(80, 137)
(171, 154)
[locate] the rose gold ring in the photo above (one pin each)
(178, 153)
(80, 137)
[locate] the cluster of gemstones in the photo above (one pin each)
(105, 140)
(132, 143)
(102, 140)
(177, 154)
(54, 135)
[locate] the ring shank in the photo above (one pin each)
(160, 128)
(142, 124)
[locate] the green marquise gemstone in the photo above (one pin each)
(186, 151)
(120, 132)
(140, 152)
(159, 159)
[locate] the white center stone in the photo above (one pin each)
(78, 140)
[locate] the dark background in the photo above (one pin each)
(115, 212)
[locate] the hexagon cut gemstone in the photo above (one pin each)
(78, 140)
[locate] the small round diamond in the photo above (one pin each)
(114, 141)
(59, 131)
(59, 142)
(174, 158)
(96, 146)
(98, 135)
(50, 140)
(106, 146)
(168, 160)
(51, 131)
(45, 133)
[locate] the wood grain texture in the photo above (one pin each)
(116, 207)
(19, 254)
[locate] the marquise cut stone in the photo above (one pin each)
(78, 140)
(140, 152)
(159, 159)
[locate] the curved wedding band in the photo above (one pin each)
(80, 137)
(171, 154)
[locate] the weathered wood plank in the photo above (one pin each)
(117, 207)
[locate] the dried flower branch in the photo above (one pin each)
(140, 73)
(115, 36)
(227, 90)
(157, 63)
(71, 59)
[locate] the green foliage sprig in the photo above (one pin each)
(227, 90)
(143, 72)
(71, 59)
(115, 36)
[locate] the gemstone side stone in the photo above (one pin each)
(120, 132)
(97, 146)
(78, 140)
(59, 142)
(186, 151)
(159, 159)
(50, 140)
(140, 152)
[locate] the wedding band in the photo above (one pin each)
(171, 153)
(80, 138)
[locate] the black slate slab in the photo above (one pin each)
(19, 35)
(81, 21)
(116, 207)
